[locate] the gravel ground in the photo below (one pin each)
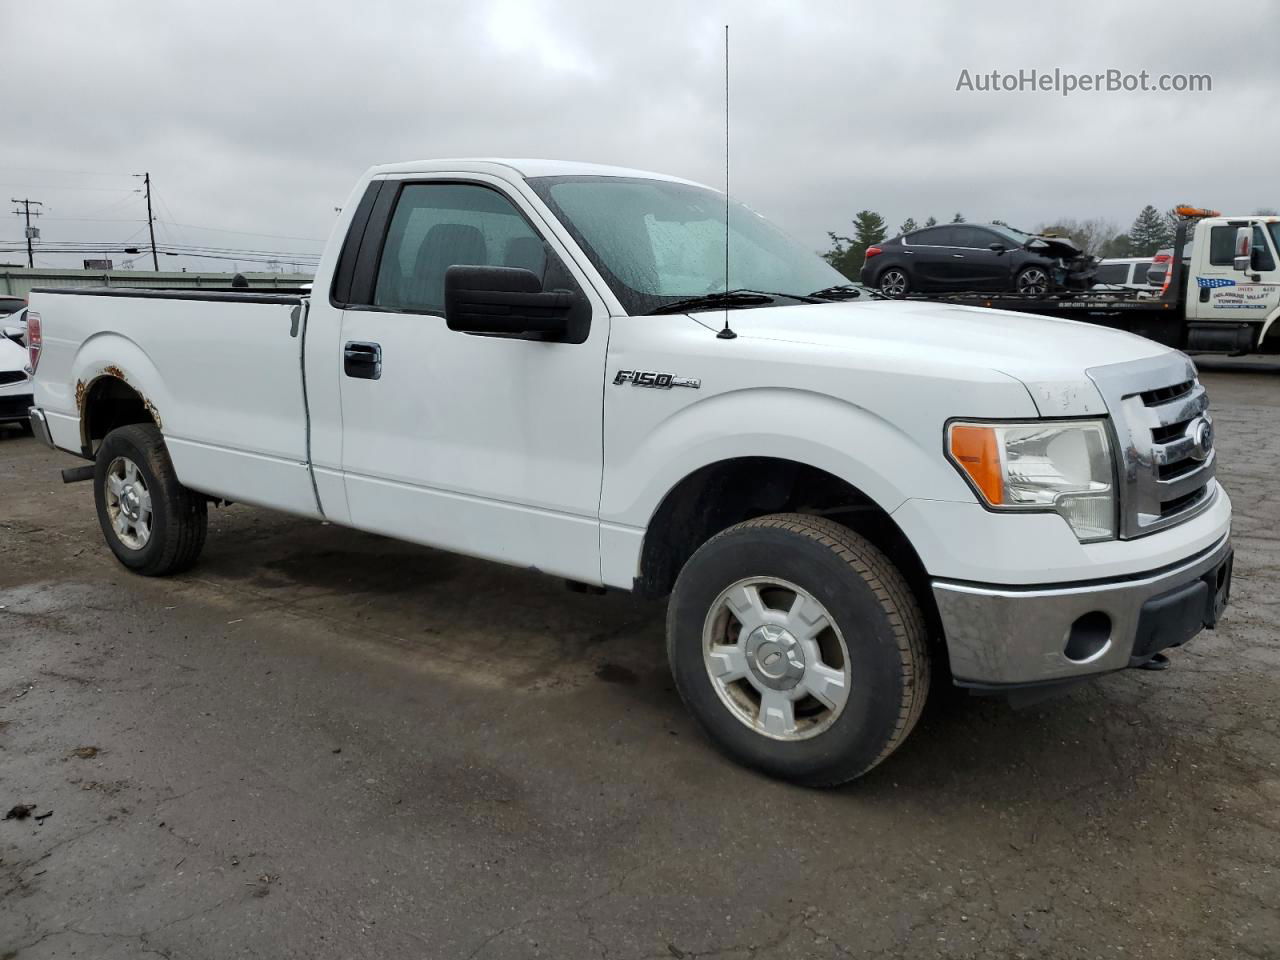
(326, 744)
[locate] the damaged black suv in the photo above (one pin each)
(959, 257)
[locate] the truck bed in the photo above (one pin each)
(218, 371)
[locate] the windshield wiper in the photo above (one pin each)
(841, 291)
(728, 299)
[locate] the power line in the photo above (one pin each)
(82, 173)
(242, 233)
(58, 186)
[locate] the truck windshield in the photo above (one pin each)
(658, 241)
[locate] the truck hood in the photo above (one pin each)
(1048, 355)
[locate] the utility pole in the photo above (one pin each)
(31, 232)
(151, 223)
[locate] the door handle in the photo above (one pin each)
(362, 360)
(958, 256)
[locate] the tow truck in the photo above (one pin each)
(1224, 298)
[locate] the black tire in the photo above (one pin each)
(894, 282)
(1023, 282)
(26, 427)
(869, 601)
(179, 517)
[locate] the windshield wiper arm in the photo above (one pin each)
(726, 299)
(841, 291)
(710, 301)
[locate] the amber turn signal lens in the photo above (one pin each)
(975, 449)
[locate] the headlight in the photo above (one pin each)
(1064, 466)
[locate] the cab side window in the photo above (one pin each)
(437, 225)
(1261, 259)
(1222, 246)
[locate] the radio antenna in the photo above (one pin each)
(726, 333)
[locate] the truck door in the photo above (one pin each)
(1217, 292)
(485, 445)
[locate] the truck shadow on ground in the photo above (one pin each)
(486, 624)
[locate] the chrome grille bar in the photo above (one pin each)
(1156, 407)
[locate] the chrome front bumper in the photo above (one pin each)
(1014, 636)
(40, 427)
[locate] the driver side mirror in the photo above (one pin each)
(17, 334)
(504, 300)
(1244, 244)
(996, 248)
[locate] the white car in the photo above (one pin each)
(15, 372)
(1123, 273)
(548, 364)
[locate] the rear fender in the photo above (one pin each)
(113, 355)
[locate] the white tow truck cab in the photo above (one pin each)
(544, 364)
(1233, 284)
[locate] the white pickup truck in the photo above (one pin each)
(545, 364)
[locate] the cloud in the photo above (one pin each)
(258, 117)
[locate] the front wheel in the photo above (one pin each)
(799, 648)
(152, 523)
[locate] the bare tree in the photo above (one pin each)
(1092, 235)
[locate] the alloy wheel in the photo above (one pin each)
(128, 503)
(776, 658)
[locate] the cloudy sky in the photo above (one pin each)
(254, 118)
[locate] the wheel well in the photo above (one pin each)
(722, 494)
(1271, 342)
(110, 403)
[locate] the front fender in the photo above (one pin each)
(844, 439)
(1267, 326)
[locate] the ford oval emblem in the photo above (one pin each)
(1200, 433)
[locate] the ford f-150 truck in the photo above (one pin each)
(555, 365)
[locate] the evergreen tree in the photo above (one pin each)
(1150, 232)
(847, 253)
(958, 218)
(1117, 246)
(908, 226)
(931, 222)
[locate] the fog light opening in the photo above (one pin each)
(1089, 638)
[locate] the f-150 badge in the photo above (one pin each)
(658, 381)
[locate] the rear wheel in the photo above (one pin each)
(799, 648)
(152, 523)
(1032, 281)
(894, 282)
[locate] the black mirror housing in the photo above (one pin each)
(996, 247)
(504, 300)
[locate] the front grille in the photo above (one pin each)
(12, 376)
(1175, 506)
(1156, 406)
(1153, 398)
